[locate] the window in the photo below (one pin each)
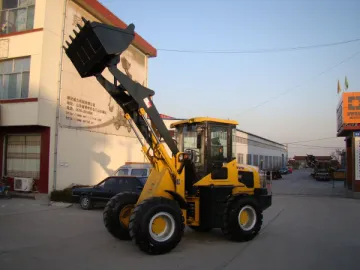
(249, 159)
(139, 172)
(270, 162)
(240, 158)
(122, 172)
(22, 156)
(261, 162)
(143, 180)
(266, 162)
(219, 143)
(16, 15)
(256, 160)
(110, 183)
(14, 78)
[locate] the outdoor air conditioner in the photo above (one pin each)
(23, 184)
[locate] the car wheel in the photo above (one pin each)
(85, 202)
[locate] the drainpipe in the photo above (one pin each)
(57, 121)
(146, 85)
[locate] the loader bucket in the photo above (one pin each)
(95, 45)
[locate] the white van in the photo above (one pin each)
(134, 169)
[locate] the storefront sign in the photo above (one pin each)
(357, 158)
(348, 113)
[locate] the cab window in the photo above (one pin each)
(247, 178)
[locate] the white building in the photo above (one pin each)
(55, 127)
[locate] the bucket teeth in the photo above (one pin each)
(64, 48)
(72, 39)
(79, 26)
(84, 20)
(68, 43)
(76, 33)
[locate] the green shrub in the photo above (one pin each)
(64, 195)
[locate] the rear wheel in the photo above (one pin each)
(157, 225)
(242, 219)
(117, 214)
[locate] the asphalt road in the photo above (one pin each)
(309, 226)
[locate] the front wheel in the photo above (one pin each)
(157, 225)
(242, 219)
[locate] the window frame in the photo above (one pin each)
(5, 152)
(6, 21)
(27, 71)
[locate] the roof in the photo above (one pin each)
(316, 157)
(108, 17)
(257, 136)
(204, 119)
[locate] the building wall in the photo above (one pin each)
(77, 151)
(251, 150)
(90, 119)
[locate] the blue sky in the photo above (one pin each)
(230, 85)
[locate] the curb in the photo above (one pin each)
(60, 204)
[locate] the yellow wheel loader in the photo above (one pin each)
(199, 185)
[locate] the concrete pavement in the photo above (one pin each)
(299, 232)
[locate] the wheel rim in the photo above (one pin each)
(85, 202)
(247, 218)
(162, 226)
(124, 215)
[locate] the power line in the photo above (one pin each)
(320, 139)
(274, 50)
(314, 146)
(301, 84)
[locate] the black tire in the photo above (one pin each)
(231, 227)
(140, 220)
(201, 228)
(85, 202)
(111, 214)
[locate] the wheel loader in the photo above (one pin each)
(199, 185)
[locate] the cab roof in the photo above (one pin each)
(203, 119)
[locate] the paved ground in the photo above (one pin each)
(300, 232)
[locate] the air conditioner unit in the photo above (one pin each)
(23, 184)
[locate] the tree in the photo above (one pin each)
(337, 154)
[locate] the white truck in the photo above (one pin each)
(134, 169)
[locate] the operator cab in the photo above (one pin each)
(209, 140)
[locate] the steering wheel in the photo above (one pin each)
(195, 154)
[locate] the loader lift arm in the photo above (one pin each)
(98, 46)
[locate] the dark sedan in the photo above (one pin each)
(106, 189)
